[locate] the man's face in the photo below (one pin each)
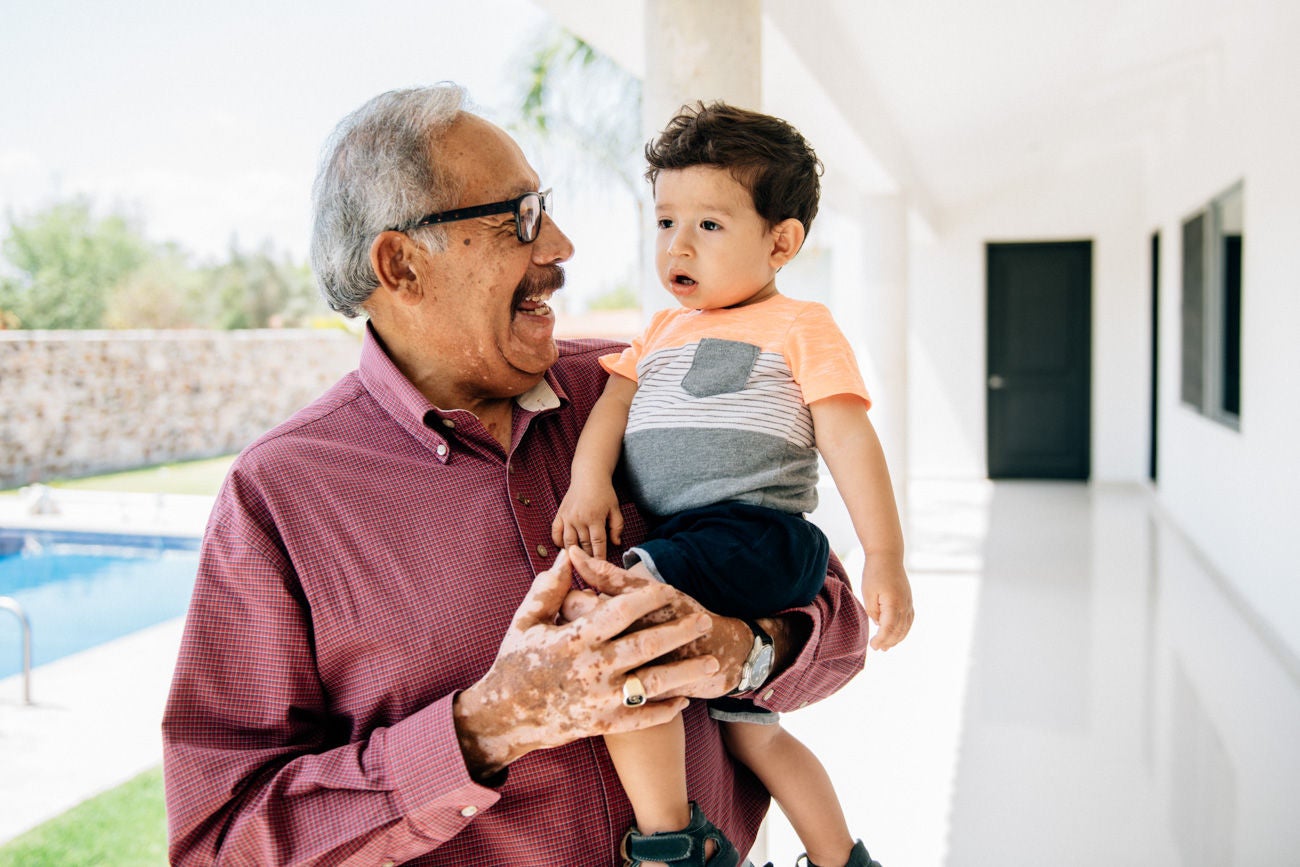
(487, 315)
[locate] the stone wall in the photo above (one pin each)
(81, 402)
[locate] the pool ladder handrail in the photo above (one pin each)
(8, 603)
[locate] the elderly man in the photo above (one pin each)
(385, 659)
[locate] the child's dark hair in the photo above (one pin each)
(764, 154)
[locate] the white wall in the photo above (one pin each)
(1237, 493)
(1099, 202)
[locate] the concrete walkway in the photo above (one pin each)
(93, 724)
(94, 719)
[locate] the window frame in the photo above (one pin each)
(1207, 305)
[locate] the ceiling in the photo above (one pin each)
(950, 101)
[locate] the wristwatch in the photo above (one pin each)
(757, 667)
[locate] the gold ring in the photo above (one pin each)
(633, 691)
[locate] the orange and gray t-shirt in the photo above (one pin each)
(721, 407)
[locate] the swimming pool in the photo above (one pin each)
(82, 589)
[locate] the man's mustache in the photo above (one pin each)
(544, 278)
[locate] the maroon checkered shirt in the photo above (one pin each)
(360, 566)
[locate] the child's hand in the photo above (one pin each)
(887, 595)
(582, 517)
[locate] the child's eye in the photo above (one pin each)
(665, 223)
(709, 226)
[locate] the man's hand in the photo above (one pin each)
(887, 595)
(727, 643)
(553, 683)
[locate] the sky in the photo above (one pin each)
(205, 120)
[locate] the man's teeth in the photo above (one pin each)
(542, 308)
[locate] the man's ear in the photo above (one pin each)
(787, 238)
(390, 256)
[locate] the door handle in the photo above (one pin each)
(996, 382)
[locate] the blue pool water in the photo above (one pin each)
(81, 589)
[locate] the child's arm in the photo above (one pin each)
(590, 501)
(848, 442)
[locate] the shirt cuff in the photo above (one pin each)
(431, 786)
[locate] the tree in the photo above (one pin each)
(69, 270)
(576, 100)
(67, 263)
(260, 290)
(165, 292)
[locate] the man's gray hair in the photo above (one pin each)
(377, 173)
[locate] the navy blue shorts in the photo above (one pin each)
(737, 559)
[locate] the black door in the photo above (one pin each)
(1039, 360)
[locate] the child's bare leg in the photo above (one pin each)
(799, 783)
(651, 765)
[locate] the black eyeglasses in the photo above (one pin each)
(528, 210)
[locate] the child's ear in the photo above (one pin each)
(787, 238)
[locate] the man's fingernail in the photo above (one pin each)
(704, 623)
(711, 665)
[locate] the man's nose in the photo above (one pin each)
(552, 245)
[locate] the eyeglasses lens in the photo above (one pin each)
(530, 217)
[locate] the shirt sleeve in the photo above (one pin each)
(625, 363)
(821, 358)
(835, 652)
(258, 768)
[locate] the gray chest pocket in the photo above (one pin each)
(719, 367)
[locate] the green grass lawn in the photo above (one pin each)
(190, 477)
(123, 827)
(187, 477)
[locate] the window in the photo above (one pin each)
(1211, 363)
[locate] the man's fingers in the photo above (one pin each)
(578, 603)
(544, 597)
(649, 715)
(677, 678)
(605, 576)
(615, 614)
(652, 642)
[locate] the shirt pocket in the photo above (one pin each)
(719, 367)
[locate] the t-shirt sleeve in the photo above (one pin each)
(624, 363)
(822, 359)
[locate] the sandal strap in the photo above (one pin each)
(684, 847)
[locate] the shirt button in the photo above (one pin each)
(441, 449)
(769, 694)
(449, 423)
(469, 811)
(389, 863)
(542, 551)
(521, 498)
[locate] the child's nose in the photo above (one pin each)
(679, 243)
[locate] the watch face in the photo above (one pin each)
(762, 666)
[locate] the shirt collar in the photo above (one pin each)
(404, 402)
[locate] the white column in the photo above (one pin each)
(869, 299)
(696, 51)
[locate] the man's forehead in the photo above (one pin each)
(485, 156)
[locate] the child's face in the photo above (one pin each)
(712, 249)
